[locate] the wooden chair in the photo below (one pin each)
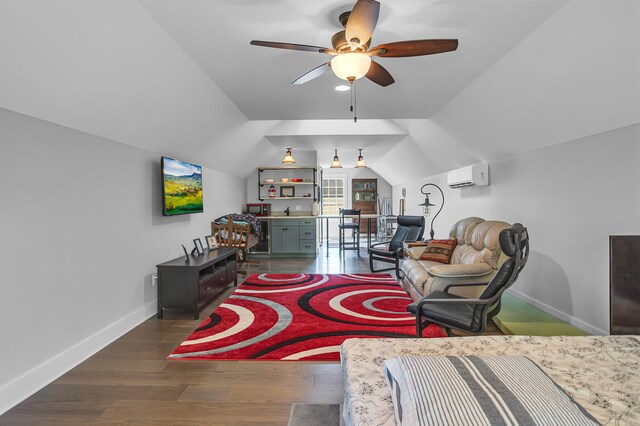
(234, 235)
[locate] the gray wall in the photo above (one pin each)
(571, 196)
(82, 232)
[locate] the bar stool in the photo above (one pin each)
(349, 219)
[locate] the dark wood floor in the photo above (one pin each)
(131, 382)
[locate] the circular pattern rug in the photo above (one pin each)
(297, 317)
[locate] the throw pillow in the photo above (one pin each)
(439, 251)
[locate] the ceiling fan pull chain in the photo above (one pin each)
(355, 103)
(351, 92)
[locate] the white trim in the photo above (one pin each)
(559, 314)
(25, 385)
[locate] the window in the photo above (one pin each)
(333, 195)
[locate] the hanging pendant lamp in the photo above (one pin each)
(360, 164)
(336, 164)
(288, 158)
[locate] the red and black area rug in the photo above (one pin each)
(301, 317)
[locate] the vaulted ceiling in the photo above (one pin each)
(216, 34)
(179, 77)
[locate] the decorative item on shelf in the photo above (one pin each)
(426, 206)
(269, 180)
(288, 158)
(284, 180)
(272, 191)
(212, 243)
(297, 180)
(360, 164)
(287, 191)
(336, 164)
(186, 254)
(198, 247)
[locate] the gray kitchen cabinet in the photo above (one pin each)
(285, 239)
(293, 236)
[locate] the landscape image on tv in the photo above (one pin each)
(182, 187)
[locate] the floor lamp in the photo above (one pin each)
(426, 206)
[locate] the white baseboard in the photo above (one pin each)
(25, 385)
(559, 314)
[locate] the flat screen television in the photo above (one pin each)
(181, 187)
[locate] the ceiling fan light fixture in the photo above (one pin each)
(360, 164)
(336, 164)
(288, 158)
(350, 65)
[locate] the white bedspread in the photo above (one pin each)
(601, 373)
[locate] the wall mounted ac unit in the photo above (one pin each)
(474, 175)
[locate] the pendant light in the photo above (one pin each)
(288, 158)
(360, 164)
(336, 164)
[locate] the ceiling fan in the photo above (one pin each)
(351, 52)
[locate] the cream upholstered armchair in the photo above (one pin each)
(475, 260)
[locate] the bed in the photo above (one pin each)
(601, 373)
(241, 231)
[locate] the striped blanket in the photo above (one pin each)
(477, 390)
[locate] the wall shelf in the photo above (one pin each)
(303, 173)
(287, 198)
(286, 183)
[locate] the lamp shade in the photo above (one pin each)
(336, 164)
(350, 65)
(360, 164)
(288, 158)
(426, 206)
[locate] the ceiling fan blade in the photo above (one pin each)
(379, 75)
(402, 49)
(314, 73)
(290, 46)
(362, 21)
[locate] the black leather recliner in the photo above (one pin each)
(473, 315)
(410, 228)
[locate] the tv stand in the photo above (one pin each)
(193, 285)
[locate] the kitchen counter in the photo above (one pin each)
(293, 216)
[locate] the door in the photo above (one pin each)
(291, 239)
(284, 239)
(277, 239)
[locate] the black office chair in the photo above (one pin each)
(473, 315)
(410, 228)
(349, 219)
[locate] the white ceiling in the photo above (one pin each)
(216, 34)
(179, 77)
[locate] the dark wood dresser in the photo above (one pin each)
(193, 285)
(624, 284)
